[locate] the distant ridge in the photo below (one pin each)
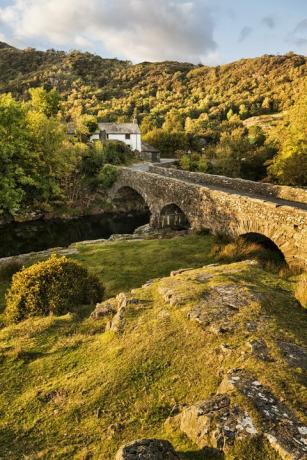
(203, 97)
(5, 45)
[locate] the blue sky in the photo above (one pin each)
(207, 31)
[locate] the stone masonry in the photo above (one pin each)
(228, 211)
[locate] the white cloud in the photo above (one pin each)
(134, 29)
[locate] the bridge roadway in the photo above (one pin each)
(145, 167)
(222, 209)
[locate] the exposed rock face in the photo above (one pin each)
(219, 305)
(260, 350)
(103, 310)
(295, 355)
(116, 308)
(178, 272)
(286, 434)
(147, 449)
(117, 323)
(246, 412)
(219, 423)
(215, 423)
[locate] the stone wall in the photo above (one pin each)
(240, 185)
(222, 211)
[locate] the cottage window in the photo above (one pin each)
(127, 136)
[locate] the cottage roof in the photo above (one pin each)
(149, 148)
(119, 128)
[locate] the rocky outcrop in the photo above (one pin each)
(279, 425)
(230, 319)
(295, 355)
(103, 310)
(147, 449)
(220, 423)
(260, 350)
(219, 305)
(115, 310)
(216, 423)
(117, 323)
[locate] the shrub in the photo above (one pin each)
(107, 176)
(54, 286)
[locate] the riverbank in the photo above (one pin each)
(124, 263)
(39, 235)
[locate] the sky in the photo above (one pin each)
(210, 32)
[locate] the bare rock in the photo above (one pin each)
(203, 278)
(260, 350)
(295, 355)
(220, 304)
(172, 297)
(286, 434)
(121, 300)
(147, 449)
(143, 230)
(215, 423)
(103, 310)
(117, 323)
(178, 272)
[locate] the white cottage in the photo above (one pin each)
(129, 133)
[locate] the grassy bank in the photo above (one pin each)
(123, 265)
(69, 390)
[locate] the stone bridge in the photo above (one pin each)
(233, 207)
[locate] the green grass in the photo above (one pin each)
(69, 390)
(123, 265)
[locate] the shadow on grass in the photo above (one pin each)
(203, 454)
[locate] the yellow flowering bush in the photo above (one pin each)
(54, 286)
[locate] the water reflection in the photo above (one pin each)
(39, 235)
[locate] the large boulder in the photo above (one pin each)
(216, 423)
(147, 449)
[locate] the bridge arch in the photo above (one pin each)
(129, 200)
(265, 242)
(171, 215)
(269, 236)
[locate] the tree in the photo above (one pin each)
(167, 142)
(17, 160)
(46, 102)
(148, 124)
(256, 135)
(173, 121)
(84, 124)
(289, 166)
(234, 156)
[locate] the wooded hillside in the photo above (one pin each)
(110, 88)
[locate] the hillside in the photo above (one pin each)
(111, 88)
(224, 341)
